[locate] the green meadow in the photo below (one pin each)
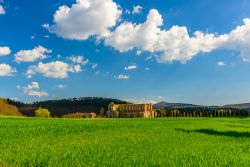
(125, 142)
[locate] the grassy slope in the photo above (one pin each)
(125, 142)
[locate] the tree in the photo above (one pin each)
(42, 112)
(102, 111)
(230, 113)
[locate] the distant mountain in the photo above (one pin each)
(165, 105)
(245, 106)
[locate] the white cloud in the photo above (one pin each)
(176, 44)
(138, 53)
(128, 35)
(2, 10)
(37, 53)
(45, 25)
(33, 89)
(4, 51)
(84, 19)
(149, 58)
(55, 69)
(78, 60)
(137, 9)
(81, 21)
(122, 76)
(60, 86)
(6, 70)
(76, 68)
(127, 11)
(239, 40)
(131, 67)
(220, 63)
(14, 99)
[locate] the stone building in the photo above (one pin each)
(130, 111)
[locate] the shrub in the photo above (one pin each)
(102, 111)
(80, 115)
(74, 115)
(42, 112)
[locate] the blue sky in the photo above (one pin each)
(126, 49)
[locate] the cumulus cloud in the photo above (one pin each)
(176, 44)
(84, 19)
(131, 67)
(239, 40)
(137, 9)
(4, 51)
(6, 70)
(122, 76)
(128, 35)
(2, 10)
(37, 53)
(55, 69)
(33, 89)
(98, 18)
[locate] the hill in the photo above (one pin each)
(245, 106)
(7, 109)
(166, 105)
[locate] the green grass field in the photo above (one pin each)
(125, 142)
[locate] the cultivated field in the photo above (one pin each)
(125, 142)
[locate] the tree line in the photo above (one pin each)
(202, 112)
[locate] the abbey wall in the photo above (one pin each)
(130, 111)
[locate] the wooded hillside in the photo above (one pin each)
(62, 107)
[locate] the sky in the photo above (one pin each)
(189, 51)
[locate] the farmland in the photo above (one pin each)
(125, 142)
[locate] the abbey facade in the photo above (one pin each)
(130, 111)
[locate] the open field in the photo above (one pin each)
(125, 142)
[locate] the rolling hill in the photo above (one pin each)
(166, 105)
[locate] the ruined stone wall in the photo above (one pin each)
(130, 111)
